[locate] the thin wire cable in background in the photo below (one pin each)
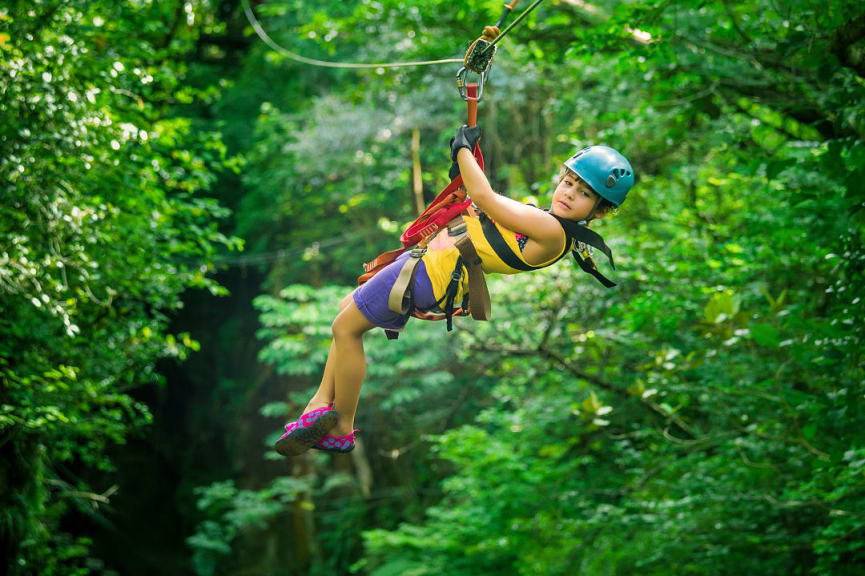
(284, 254)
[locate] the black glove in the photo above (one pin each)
(466, 137)
(454, 171)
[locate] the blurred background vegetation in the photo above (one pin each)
(183, 207)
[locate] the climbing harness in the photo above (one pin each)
(580, 242)
(444, 212)
(447, 211)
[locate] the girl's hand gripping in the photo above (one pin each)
(465, 137)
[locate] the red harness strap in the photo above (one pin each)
(449, 204)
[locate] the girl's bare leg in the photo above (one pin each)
(349, 366)
(325, 393)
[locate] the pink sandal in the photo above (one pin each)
(307, 431)
(337, 444)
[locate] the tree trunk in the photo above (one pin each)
(417, 182)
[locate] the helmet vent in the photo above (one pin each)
(604, 170)
(615, 174)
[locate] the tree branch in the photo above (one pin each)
(596, 381)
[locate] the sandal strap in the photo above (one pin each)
(307, 418)
(339, 442)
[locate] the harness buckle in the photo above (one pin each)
(585, 249)
(458, 229)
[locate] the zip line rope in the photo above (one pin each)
(250, 15)
(522, 15)
(259, 30)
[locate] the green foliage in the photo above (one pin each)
(704, 417)
(228, 511)
(105, 222)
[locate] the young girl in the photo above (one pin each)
(594, 180)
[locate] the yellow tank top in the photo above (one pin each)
(441, 263)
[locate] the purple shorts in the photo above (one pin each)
(371, 298)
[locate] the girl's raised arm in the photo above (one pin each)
(511, 214)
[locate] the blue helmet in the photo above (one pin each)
(605, 170)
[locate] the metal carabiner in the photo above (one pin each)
(461, 83)
(479, 60)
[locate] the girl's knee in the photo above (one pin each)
(337, 328)
(350, 323)
(341, 327)
(344, 303)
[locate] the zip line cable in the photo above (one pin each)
(250, 15)
(516, 21)
(259, 30)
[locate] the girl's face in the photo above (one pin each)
(573, 199)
